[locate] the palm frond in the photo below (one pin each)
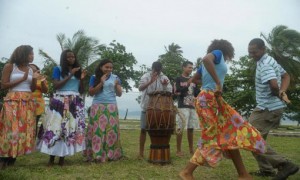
(61, 39)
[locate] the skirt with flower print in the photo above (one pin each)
(223, 129)
(103, 134)
(17, 125)
(62, 132)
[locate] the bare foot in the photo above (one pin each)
(185, 176)
(179, 154)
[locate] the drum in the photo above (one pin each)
(160, 117)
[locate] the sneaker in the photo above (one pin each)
(287, 169)
(261, 173)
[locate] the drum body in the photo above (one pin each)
(160, 117)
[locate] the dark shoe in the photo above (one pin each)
(61, 161)
(287, 169)
(3, 162)
(261, 173)
(11, 161)
(51, 160)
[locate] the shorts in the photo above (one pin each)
(143, 120)
(191, 118)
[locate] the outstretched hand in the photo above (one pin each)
(164, 82)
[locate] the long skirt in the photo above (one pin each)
(223, 129)
(63, 128)
(17, 125)
(103, 134)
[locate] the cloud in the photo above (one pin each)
(144, 27)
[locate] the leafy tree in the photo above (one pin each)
(172, 61)
(84, 47)
(284, 46)
(239, 86)
(123, 63)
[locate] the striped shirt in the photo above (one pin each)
(266, 70)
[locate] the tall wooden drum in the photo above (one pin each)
(160, 117)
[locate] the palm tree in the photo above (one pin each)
(174, 48)
(284, 46)
(84, 47)
(172, 60)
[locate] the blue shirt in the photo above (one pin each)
(71, 85)
(108, 93)
(221, 69)
(267, 69)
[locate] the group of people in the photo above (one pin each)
(63, 130)
(223, 130)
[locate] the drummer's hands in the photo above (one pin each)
(164, 82)
(218, 90)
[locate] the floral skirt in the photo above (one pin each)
(223, 129)
(17, 125)
(63, 126)
(103, 134)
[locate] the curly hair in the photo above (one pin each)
(20, 55)
(64, 64)
(222, 45)
(98, 72)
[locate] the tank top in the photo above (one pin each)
(18, 74)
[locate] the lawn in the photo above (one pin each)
(33, 166)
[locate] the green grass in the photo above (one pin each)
(33, 166)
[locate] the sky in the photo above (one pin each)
(143, 27)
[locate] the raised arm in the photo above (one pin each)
(208, 62)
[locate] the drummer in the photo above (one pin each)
(151, 81)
